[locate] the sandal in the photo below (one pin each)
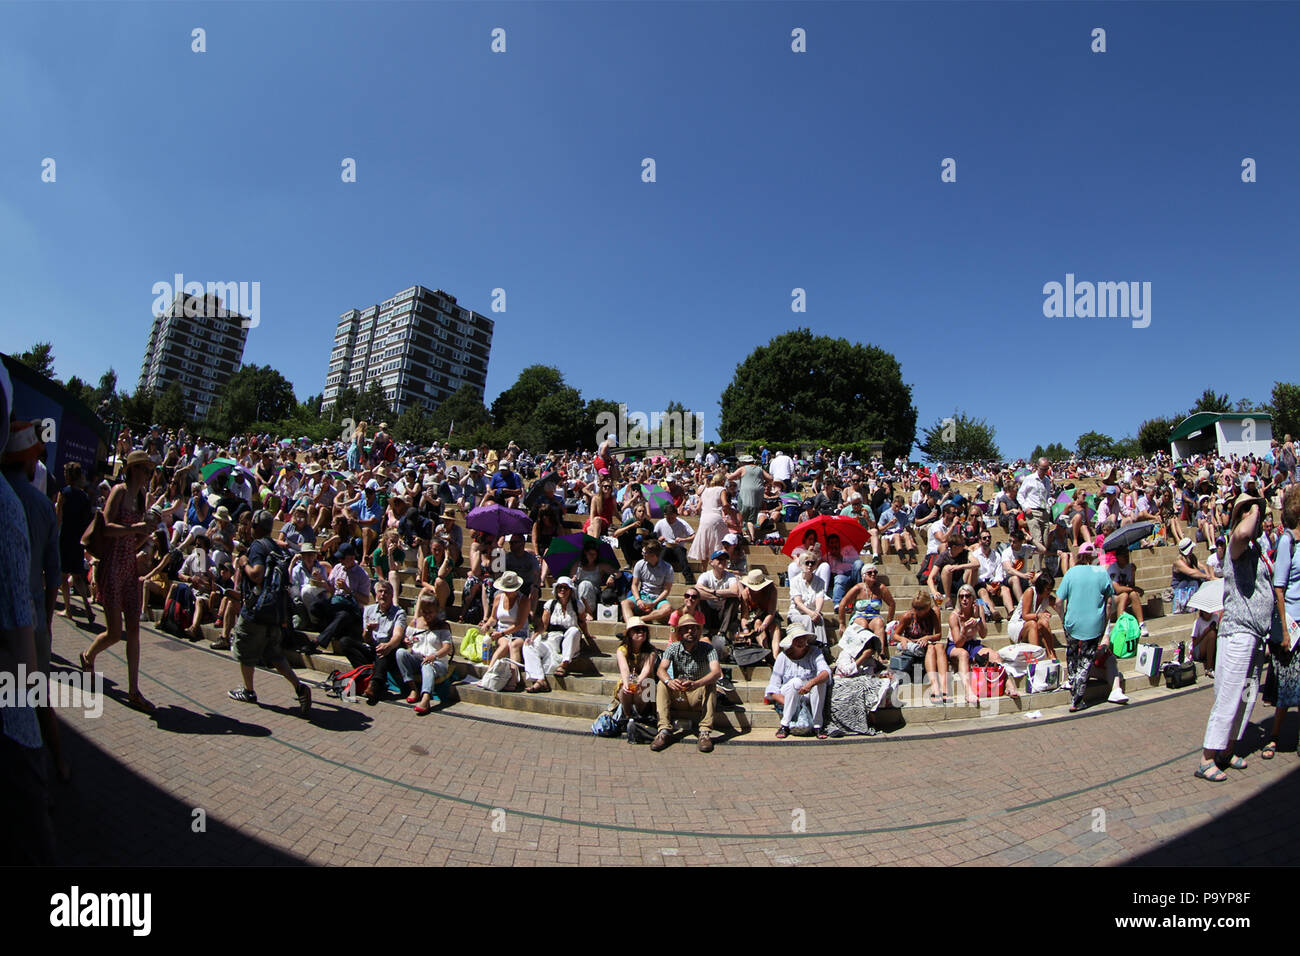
(1236, 763)
(782, 732)
(138, 701)
(562, 670)
(1211, 773)
(537, 687)
(821, 733)
(1269, 750)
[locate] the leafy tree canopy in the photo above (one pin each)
(800, 386)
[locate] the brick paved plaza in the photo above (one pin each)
(358, 785)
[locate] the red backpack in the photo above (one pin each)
(349, 685)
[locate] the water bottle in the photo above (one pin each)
(487, 649)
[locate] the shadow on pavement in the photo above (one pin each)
(1260, 831)
(110, 816)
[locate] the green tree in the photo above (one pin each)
(1285, 407)
(541, 412)
(254, 394)
(39, 358)
(137, 408)
(1055, 451)
(81, 391)
(1211, 401)
(804, 388)
(169, 409)
(372, 407)
(413, 425)
(1094, 445)
(345, 403)
(595, 408)
(460, 413)
(106, 395)
(1154, 434)
(1126, 447)
(959, 438)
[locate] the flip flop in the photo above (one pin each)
(85, 666)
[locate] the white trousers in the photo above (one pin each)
(1236, 686)
(790, 691)
(545, 652)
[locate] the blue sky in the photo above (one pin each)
(775, 170)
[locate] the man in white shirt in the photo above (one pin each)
(782, 469)
(720, 593)
(673, 533)
(1035, 497)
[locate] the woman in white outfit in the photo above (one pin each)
(1248, 606)
(800, 672)
(550, 651)
(426, 658)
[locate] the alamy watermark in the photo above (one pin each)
(655, 430)
(1102, 300)
(216, 300)
(68, 689)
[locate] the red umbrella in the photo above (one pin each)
(848, 530)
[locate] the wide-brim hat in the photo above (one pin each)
(564, 581)
(223, 513)
(793, 633)
(633, 623)
(1241, 503)
(313, 469)
(756, 580)
(1186, 546)
(137, 457)
(509, 582)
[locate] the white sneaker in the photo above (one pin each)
(1118, 697)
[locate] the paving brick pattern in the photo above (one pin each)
(357, 785)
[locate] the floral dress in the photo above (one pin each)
(120, 587)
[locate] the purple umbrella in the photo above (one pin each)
(496, 520)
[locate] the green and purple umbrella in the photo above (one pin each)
(226, 466)
(656, 497)
(566, 550)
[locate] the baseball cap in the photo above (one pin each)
(717, 554)
(731, 538)
(372, 485)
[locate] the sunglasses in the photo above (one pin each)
(692, 597)
(870, 574)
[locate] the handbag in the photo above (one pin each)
(1043, 676)
(471, 646)
(500, 676)
(607, 612)
(989, 681)
(641, 731)
(748, 655)
(95, 538)
(1148, 659)
(1179, 675)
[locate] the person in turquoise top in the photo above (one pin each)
(1086, 591)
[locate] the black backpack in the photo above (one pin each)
(270, 605)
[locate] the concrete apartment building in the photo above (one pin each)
(192, 342)
(420, 346)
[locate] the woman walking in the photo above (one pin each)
(1248, 607)
(1286, 591)
(125, 526)
(753, 483)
